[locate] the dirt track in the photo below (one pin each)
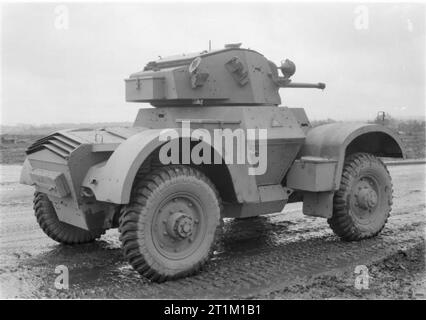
(285, 255)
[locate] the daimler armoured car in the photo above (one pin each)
(217, 145)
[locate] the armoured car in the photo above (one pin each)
(168, 181)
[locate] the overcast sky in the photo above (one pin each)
(76, 74)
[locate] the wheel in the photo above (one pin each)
(169, 228)
(57, 230)
(363, 203)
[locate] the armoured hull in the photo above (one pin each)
(81, 169)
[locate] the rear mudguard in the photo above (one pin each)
(112, 180)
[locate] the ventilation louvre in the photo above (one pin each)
(57, 143)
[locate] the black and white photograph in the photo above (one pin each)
(214, 155)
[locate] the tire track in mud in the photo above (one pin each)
(264, 268)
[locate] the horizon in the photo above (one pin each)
(70, 124)
(422, 118)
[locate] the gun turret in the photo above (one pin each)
(231, 76)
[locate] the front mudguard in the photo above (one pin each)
(338, 140)
(332, 143)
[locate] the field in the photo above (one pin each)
(12, 148)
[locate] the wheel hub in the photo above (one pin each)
(177, 229)
(366, 197)
(180, 225)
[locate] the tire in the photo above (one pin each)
(57, 230)
(170, 226)
(363, 203)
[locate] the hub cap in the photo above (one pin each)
(365, 198)
(180, 225)
(178, 228)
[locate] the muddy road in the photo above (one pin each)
(284, 255)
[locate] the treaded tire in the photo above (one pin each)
(354, 217)
(145, 221)
(57, 230)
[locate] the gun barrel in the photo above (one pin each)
(319, 85)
